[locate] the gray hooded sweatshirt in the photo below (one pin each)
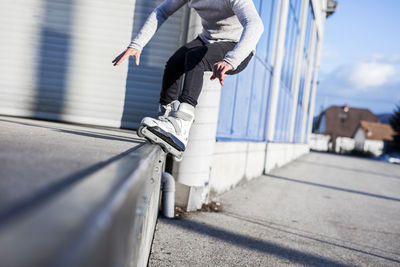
(222, 21)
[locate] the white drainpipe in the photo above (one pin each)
(279, 52)
(168, 195)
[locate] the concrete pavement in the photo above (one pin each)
(37, 158)
(320, 210)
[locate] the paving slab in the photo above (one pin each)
(37, 158)
(320, 210)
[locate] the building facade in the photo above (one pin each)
(57, 56)
(372, 137)
(339, 124)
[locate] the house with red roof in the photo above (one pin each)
(343, 129)
(373, 137)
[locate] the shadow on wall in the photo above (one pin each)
(143, 84)
(53, 59)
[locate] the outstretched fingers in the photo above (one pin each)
(216, 71)
(137, 58)
(117, 58)
(126, 54)
(219, 71)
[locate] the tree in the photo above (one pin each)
(395, 123)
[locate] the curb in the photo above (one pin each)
(105, 219)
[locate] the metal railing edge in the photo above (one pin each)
(106, 219)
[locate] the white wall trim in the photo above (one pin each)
(298, 67)
(276, 80)
(319, 7)
(315, 79)
(307, 82)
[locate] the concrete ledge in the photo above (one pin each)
(105, 219)
(279, 154)
(234, 162)
(237, 162)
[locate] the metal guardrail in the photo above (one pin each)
(105, 219)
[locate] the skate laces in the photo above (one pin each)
(176, 115)
(180, 115)
(162, 118)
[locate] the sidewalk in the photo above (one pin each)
(38, 158)
(321, 210)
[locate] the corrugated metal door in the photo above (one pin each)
(56, 60)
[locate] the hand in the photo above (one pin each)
(220, 69)
(129, 52)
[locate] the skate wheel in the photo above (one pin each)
(140, 131)
(178, 158)
(164, 148)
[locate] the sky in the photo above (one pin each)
(360, 63)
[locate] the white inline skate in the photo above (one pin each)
(171, 129)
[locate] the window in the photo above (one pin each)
(244, 97)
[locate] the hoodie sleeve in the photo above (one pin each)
(252, 30)
(154, 22)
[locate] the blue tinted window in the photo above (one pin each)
(244, 97)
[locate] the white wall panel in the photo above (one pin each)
(19, 27)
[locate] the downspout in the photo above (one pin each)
(168, 195)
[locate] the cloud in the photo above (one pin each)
(394, 59)
(330, 53)
(363, 75)
(372, 83)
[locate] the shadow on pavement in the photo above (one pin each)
(309, 235)
(82, 132)
(46, 193)
(102, 136)
(259, 245)
(333, 187)
(348, 169)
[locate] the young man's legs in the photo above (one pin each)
(200, 60)
(193, 59)
(174, 69)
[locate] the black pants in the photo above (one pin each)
(193, 59)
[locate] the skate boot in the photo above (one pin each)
(171, 132)
(163, 112)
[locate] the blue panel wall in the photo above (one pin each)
(297, 128)
(244, 97)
